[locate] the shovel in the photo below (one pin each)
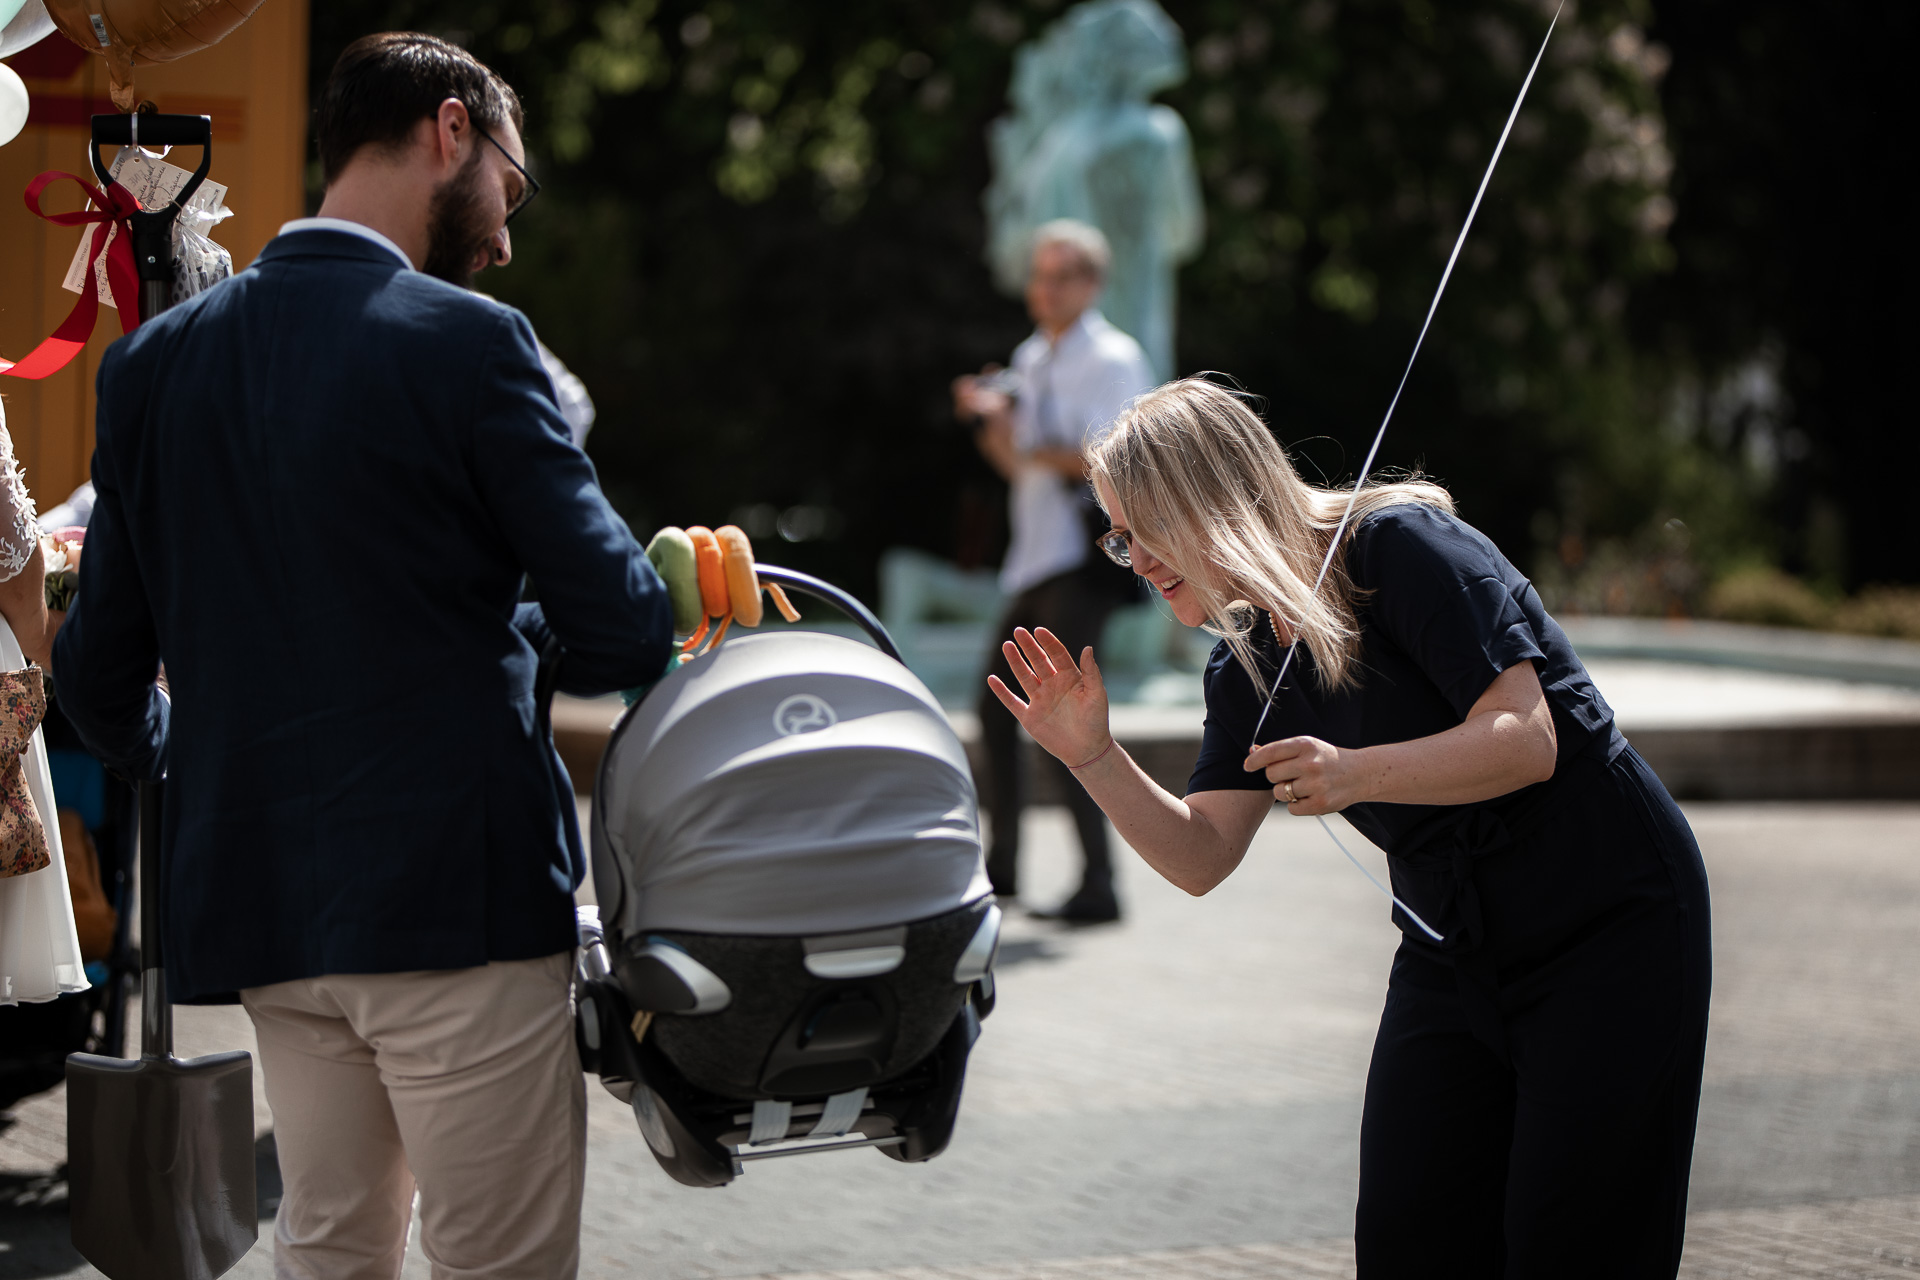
(159, 1151)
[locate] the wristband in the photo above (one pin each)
(1097, 759)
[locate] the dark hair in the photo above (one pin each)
(382, 85)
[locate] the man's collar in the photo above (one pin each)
(1082, 328)
(360, 229)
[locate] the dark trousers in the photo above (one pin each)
(1076, 610)
(1530, 1112)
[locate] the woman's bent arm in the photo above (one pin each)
(1506, 742)
(1195, 843)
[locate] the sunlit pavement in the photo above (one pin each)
(1179, 1096)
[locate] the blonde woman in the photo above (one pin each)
(1531, 1102)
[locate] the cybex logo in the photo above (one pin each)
(802, 713)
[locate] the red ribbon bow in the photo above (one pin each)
(111, 209)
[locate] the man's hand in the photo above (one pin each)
(1310, 776)
(1069, 464)
(1067, 710)
(972, 400)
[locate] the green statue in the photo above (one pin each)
(1084, 141)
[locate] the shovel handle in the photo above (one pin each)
(156, 1011)
(153, 247)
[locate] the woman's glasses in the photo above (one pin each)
(1118, 546)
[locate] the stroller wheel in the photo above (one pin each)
(687, 1159)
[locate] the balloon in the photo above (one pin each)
(28, 26)
(128, 32)
(7, 9)
(13, 105)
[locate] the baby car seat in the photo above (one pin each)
(795, 939)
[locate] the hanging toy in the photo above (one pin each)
(128, 33)
(743, 587)
(672, 554)
(709, 574)
(712, 563)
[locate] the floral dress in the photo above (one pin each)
(39, 950)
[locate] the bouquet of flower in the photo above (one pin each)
(61, 550)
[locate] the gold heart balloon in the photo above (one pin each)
(128, 33)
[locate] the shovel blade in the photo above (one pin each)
(160, 1164)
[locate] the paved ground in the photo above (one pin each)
(1179, 1097)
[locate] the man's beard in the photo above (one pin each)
(458, 229)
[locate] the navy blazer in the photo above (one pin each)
(319, 486)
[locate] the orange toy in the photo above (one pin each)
(729, 585)
(712, 563)
(743, 588)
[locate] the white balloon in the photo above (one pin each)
(8, 8)
(13, 104)
(29, 26)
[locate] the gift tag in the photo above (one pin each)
(154, 183)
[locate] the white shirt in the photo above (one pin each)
(77, 509)
(576, 406)
(1070, 393)
(360, 229)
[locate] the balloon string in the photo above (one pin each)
(1373, 451)
(1411, 915)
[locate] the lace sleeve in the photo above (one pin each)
(19, 531)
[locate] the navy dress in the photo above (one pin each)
(1531, 1103)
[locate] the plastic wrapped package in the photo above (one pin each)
(198, 263)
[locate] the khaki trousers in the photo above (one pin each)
(462, 1082)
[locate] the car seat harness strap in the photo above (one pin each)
(770, 1121)
(841, 1111)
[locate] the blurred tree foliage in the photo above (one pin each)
(1789, 311)
(760, 245)
(1341, 146)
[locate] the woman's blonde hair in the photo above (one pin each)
(1204, 484)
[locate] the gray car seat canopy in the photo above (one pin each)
(786, 783)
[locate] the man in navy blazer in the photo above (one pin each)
(320, 487)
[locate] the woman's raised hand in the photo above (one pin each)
(1066, 706)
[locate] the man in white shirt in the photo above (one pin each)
(1069, 381)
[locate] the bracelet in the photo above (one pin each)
(1097, 759)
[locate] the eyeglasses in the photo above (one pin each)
(528, 191)
(1118, 546)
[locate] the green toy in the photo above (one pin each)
(672, 554)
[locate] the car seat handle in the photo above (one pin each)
(547, 675)
(807, 584)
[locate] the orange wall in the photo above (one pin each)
(254, 85)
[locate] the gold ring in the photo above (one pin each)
(1287, 787)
